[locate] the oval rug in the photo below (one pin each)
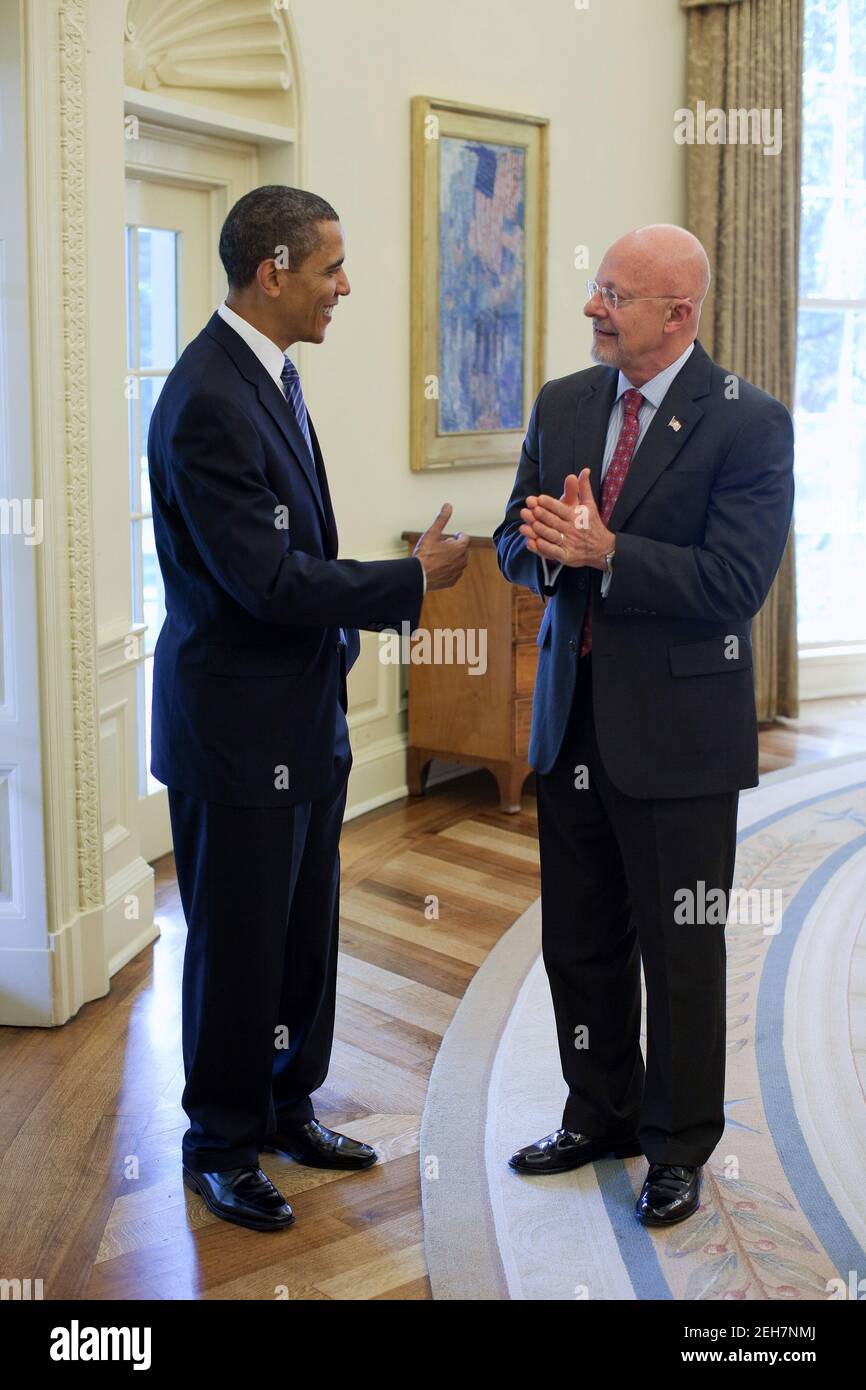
(783, 1212)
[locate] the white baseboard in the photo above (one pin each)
(129, 891)
(91, 948)
(25, 996)
(378, 776)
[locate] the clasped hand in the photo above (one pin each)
(568, 531)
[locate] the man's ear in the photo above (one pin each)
(268, 277)
(679, 314)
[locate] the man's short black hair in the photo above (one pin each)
(266, 220)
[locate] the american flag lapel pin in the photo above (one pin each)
(674, 423)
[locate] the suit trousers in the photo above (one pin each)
(610, 868)
(260, 889)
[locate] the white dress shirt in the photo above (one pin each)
(653, 392)
(266, 350)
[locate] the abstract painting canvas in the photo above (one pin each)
(479, 219)
(482, 199)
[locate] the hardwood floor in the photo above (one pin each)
(91, 1198)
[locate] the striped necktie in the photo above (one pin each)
(295, 396)
(614, 478)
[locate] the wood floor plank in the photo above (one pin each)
(430, 1009)
(494, 840)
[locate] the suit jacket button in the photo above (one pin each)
(341, 646)
(572, 645)
(581, 583)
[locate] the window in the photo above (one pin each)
(830, 406)
(152, 341)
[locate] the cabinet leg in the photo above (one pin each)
(510, 778)
(416, 771)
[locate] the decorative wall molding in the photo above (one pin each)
(82, 601)
(183, 116)
(242, 47)
(54, 61)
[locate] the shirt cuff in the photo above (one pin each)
(551, 574)
(424, 576)
(605, 582)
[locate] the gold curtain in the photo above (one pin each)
(745, 207)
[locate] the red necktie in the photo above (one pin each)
(614, 478)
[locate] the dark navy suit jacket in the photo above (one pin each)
(250, 669)
(701, 523)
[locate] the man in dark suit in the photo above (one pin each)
(249, 701)
(652, 506)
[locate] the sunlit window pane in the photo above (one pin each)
(152, 594)
(856, 123)
(854, 275)
(152, 337)
(818, 135)
(814, 247)
(830, 406)
(147, 680)
(157, 297)
(129, 252)
(858, 350)
(819, 343)
(132, 415)
(150, 389)
(820, 20)
(857, 36)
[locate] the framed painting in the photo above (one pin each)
(479, 252)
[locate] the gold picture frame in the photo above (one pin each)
(479, 276)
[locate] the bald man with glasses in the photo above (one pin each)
(651, 509)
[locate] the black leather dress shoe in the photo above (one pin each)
(319, 1147)
(562, 1150)
(243, 1195)
(670, 1193)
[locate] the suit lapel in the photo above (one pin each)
(591, 415)
(671, 427)
(272, 400)
(325, 491)
(281, 412)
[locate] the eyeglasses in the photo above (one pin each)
(612, 300)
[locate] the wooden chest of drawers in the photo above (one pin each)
(478, 718)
